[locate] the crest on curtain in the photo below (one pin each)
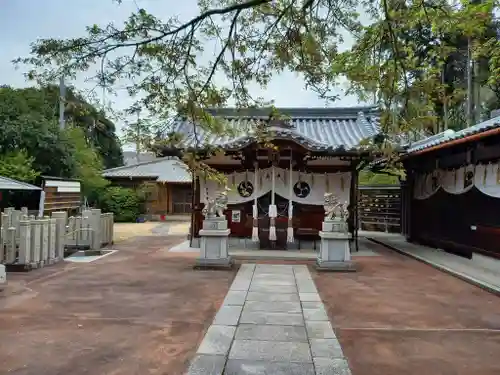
(245, 189)
(301, 189)
(468, 177)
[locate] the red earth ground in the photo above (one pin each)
(399, 316)
(143, 311)
(139, 311)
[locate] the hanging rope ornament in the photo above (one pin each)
(498, 174)
(485, 173)
(273, 211)
(327, 183)
(342, 183)
(289, 230)
(455, 175)
(312, 181)
(255, 226)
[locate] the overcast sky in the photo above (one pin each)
(23, 21)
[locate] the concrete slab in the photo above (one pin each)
(312, 305)
(235, 297)
(318, 314)
(245, 367)
(247, 267)
(207, 365)
(273, 288)
(272, 297)
(270, 268)
(217, 340)
(319, 330)
(272, 282)
(228, 316)
(309, 297)
(241, 285)
(271, 318)
(326, 348)
(270, 333)
(273, 276)
(285, 307)
(306, 286)
(331, 366)
(270, 351)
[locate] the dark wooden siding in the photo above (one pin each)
(459, 223)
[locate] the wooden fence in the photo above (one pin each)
(379, 208)
(35, 242)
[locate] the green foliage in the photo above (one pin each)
(409, 56)
(88, 164)
(124, 203)
(29, 120)
(18, 165)
(371, 178)
(26, 125)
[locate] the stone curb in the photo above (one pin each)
(469, 279)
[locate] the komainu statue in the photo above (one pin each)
(216, 206)
(335, 209)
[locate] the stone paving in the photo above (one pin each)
(272, 321)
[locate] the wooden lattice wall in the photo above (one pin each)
(379, 208)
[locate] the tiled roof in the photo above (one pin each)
(10, 184)
(166, 169)
(130, 157)
(316, 129)
(450, 135)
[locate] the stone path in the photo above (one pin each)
(272, 321)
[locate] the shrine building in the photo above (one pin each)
(276, 188)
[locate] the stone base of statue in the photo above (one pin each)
(214, 244)
(3, 277)
(334, 252)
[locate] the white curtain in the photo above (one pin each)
(485, 177)
(337, 183)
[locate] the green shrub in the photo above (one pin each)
(124, 203)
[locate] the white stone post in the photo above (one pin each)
(25, 243)
(35, 243)
(61, 218)
(111, 228)
(71, 235)
(107, 228)
(15, 218)
(52, 240)
(95, 226)
(44, 223)
(10, 254)
(79, 232)
(5, 218)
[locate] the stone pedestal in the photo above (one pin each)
(334, 253)
(214, 244)
(3, 277)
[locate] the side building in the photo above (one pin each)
(168, 181)
(451, 197)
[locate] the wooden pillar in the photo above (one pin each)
(410, 182)
(170, 202)
(195, 209)
(355, 178)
